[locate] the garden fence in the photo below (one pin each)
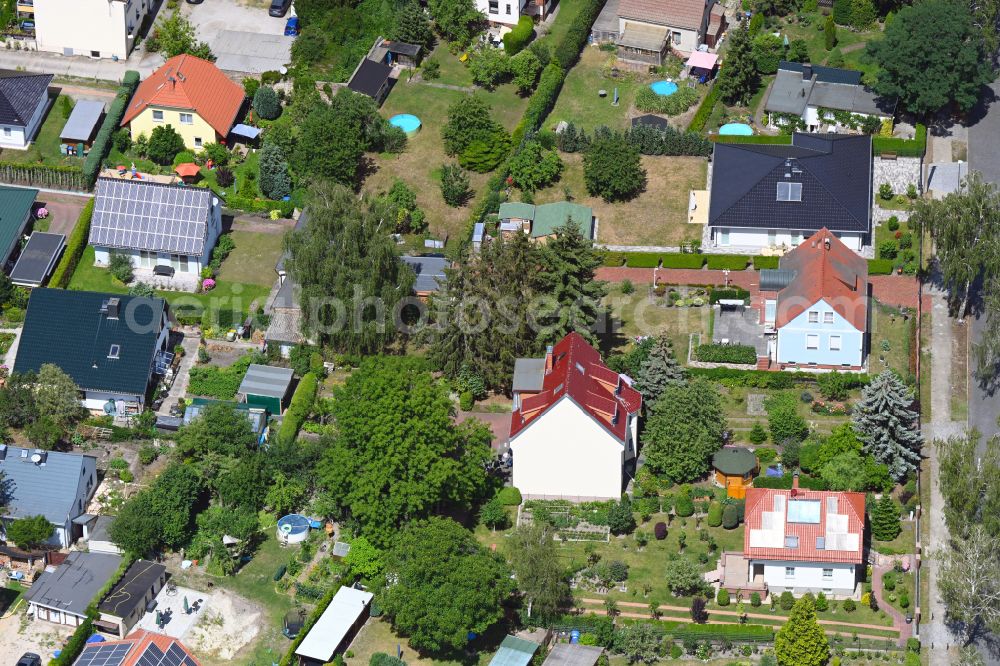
(40, 175)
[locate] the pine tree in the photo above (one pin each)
(738, 79)
(801, 641)
(274, 180)
(659, 370)
(413, 26)
(886, 425)
(568, 262)
(885, 519)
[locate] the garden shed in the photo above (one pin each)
(735, 468)
(267, 387)
(514, 651)
(83, 122)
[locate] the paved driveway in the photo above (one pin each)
(243, 37)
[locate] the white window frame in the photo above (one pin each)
(835, 339)
(828, 317)
(827, 574)
(198, 143)
(812, 341)
(813, 317)
(157, 118)
(789, 572)
(187, 118)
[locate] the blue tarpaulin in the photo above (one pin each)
(246, 131)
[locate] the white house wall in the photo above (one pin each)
(565, 453)
(808, 577)
(20, 138)
(508, 12)
(761, 238)
(102, 257)
(94, 28)
(792, 338)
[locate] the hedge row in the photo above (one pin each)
(754, 378)
(541, 102)
(254, 205)
(729, 353)
(43, 175)
(642, 259)
(760, 262)
(785, 482)
(915, 147)
(112, 120)
(732, 262)
(75, 246)
(567, 51)
(880, 267)
(700, 117)
(718, 632)
(298, 408)
(732, 293)
(77, 641)
(321, 607)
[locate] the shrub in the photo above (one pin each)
(714, 518)
(761, 262)
(722, 598)
(913, 645)
(849, 605)
(892, 223)
(684, 506)
(660, 531)
(164, 144)
(618, 570)
(266, 103)
(279, 573)
(465, 401)
(755, 599)
(299, 408)
(690, 261)
(148, 453)
(224, 177)
(730, 517)
(786, 600)
(642, 259)
(726, 353)
(879, 267)
(431, 69)
(732, 262)
(515, 40)
(627, 287)
(758, 435)
(509, 496)
(74, 249)
(733, 293)
(671, 105)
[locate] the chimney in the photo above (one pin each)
(795, 484)
(548, 359)
(113, 304)
(807, 72)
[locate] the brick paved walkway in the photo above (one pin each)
(898, 621)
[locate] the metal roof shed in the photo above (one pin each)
(83, 122)
(267, 387)
(332, 631)
(573, 654)
(514, 651)
(37, 259)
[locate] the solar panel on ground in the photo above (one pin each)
(103, 655)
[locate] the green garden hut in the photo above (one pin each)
(735, 468)
(266, 387)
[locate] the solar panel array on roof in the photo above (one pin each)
(139, 215)
(103, 655)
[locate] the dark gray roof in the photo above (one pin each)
(142, 215)
(47, 489)
(266, 381)
(775, 279)
(528, 374)
(834, 170)
(102, 529)
(83, 122)
(607, 20)
(797, 86)
(573, 654)
(20, 94)
(37, 259)
(404, 48)
(369, 78)
(130, 591)
(429, 270)
(75, 582)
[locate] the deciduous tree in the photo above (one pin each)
(538, 572)
(29, 533)
(364, 559)
(164, 144)
(886, 425)
(969, 581)
(684, 430)
(489, 67)
(444, 586)
(639, 642)
(525, 67)
(57, 396)
(457, 20)
(683, 577)
(175, 35)
(533, 167)
(968, 482)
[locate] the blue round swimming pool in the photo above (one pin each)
(736, 129)
(407, 122)
(663, 88)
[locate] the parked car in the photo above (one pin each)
(292, 27)
(279, 7)
(194, 2)
(28, 26)
(29, 659)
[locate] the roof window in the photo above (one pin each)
(789, 191)
(115, 351)
(791, 541)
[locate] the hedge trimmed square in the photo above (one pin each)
(689, 261)
(760, 262)
(642, 259)
(732, 262)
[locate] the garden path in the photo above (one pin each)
(898, 621)
(179, 388)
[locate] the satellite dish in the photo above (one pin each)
(36, 458)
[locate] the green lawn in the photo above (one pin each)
(849, 43)
(579, 102)
(235, 296)
(568, 10)
(254, 253)
(634, 315)
(46, 145)
(891, 340)
(453, 71)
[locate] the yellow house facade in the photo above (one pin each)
(195, 131)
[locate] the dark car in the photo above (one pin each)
(279, 7)
(194, 2)
(28, 26)
(29, 659)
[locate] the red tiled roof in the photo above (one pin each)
(186, 82)
(140, 639)
(673, 13)
(760, 500)
(579, 373)
(838, 275)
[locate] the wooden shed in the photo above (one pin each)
(735, 467)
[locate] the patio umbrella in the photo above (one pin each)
(187, 609)
(187, 170)
(159, 619)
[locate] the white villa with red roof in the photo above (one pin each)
(574, 426)
(804, 541)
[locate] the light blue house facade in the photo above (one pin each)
(821, 336)
(817, 306)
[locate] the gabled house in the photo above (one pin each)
(805, 540)
(574, 426)
(140, 648)
(63, 595)
(90, 28)
(53, 484)
(814, 94)
(24, 99)
(541, 221)
(111, 345)
(158, 226)
(775, 196)
(371, 78)
(650, 29)
(817, 303)
(430, 274)
(509, 12)
(191, 95)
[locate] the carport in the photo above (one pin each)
(250, 52)
(37, 259)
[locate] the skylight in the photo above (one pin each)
(789, 191)
(115, 351)
(803, 511)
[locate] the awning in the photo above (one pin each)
(246, 131)
(702, 60)
(187, 170)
